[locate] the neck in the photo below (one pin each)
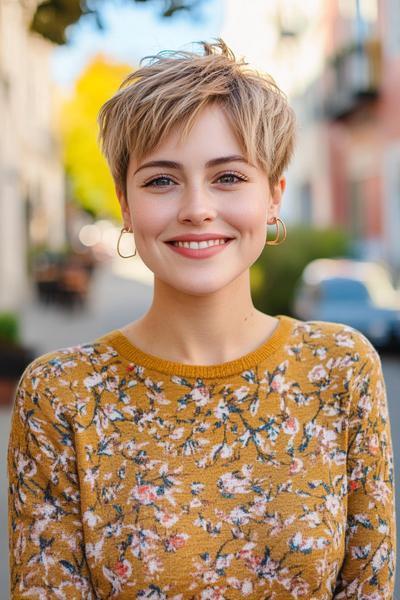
(208, 329)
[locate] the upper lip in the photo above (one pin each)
(198, 237)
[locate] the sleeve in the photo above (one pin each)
(368, 569)
(47, 558)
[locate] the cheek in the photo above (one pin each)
(149, 218)
(249, 216)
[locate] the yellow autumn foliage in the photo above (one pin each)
(91, 183)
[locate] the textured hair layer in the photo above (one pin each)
(172, 89)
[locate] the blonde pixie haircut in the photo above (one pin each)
(174, 87)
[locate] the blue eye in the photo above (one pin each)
(233, 176)
(165, 181)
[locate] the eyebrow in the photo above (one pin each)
(170, 164)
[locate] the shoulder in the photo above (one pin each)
(70, 365)
(337, 337)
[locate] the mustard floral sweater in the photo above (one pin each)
(266, 477)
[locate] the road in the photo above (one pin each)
(121, 293)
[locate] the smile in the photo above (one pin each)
(198, 245)
(202, 249)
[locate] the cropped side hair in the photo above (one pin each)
(173, 88)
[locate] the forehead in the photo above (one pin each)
(211, 134)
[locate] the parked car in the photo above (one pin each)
(357, 293)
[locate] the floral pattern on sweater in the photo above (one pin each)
(266, 477)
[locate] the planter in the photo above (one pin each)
(13, 361)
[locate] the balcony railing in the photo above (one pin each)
(352, 78)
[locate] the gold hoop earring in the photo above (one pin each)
(277, 241)
(124, 230)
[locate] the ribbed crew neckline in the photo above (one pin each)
(135, 355)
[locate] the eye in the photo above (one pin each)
(231, 177)
(160, 181)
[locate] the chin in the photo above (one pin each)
(196, 287)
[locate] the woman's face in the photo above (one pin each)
(201, 186)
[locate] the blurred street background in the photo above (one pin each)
(61, 282)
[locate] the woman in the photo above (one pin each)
(206, 450)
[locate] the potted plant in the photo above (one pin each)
(14, 357)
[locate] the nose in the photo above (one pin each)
(196, 206)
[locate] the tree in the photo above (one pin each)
(91, 183)
(52, 17)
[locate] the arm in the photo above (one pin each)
(368, 569)
(47, 558)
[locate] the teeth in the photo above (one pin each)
(199, 245)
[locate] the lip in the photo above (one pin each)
(199, 237)
(201, 252)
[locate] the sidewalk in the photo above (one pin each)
(120, 293)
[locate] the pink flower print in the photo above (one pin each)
(223, 561)
(209, 577)
(123, 569)
(317, 374)
(231, 483)
(313, 519)
(239, 516)
(294, 350)
(258, 507)
(93, 381)
(143, 542)
(332, 503)
(295, 466)
(365, 404)
(176, 541)
(155, 391)
(246, 586)
(167, 519)
(222, 410)
(326, 436)
(146, 494)
(361, 551)
(380, 556)
(290, 426)
(379, 490)
(91, 476)
(226, 450)
(299, 587)
(278, 384)
(373, 445)
(320, 352)
(357, 472)
(246, 553)
(154, 565)
(177, 433)
(91, 518)
(213, 593)
(113, 413)
(301, 544)
(201, 395)
(25, 466)
(95, 551)
(241, 392)
(344, 340)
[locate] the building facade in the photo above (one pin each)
(339, 62)
(31, 172)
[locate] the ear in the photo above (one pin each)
(276, 199)
(123, 202)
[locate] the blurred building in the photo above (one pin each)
(350, 114)
(31, 173)
(339, 61)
